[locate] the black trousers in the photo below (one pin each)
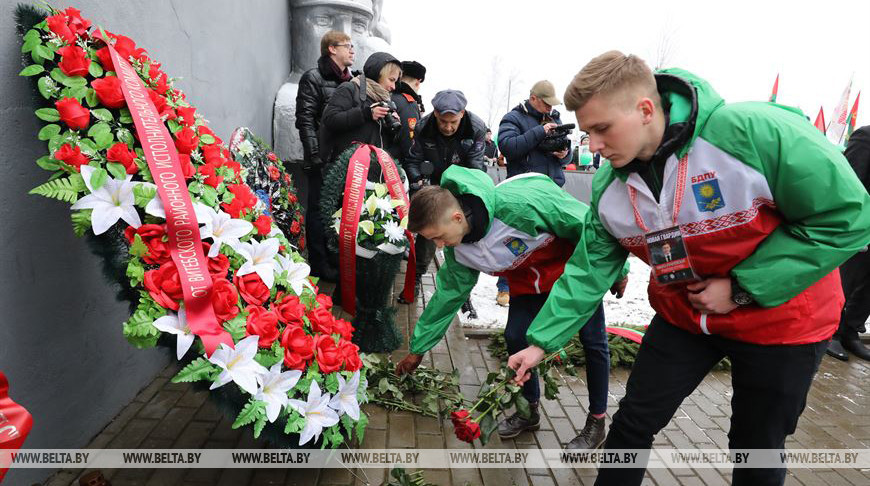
(855, 276)
(770, 391)
(425, 251)
(315, 231)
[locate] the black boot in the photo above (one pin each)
(852, 343)
(591, 437)
(836, 350)
(467, 308)
(418, 289)
(516, 425)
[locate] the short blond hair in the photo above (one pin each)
(388, 69)
(609, 73)
(331, 39)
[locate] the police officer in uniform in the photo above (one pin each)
(409, 105)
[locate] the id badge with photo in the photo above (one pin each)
(668, 256)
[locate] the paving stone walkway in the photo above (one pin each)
(168, 415)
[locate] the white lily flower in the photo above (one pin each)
(155, 206)
(393, 231)
(371, 204)
(297, 273)
(274, 386)
(316, 412)
(260, 256)
(177, 324)
(223, 229)
(114, 200)
(238, 364)
(345, 400)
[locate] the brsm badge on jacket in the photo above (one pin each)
(708, 196)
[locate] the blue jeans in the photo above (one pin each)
(593, 337)
(502, 285)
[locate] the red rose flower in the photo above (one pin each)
(164, 285)
(205, 130)
(71, 156)
(160, 84)
(263, 225)
(467, 431)
(124, 45)
(105, 58)
(274, 173)
(243, 201)
(162, 107)
(186, 140)
(74, 61)
(154, 237)
(224, 300)
(218, 266)
(187, 169)
(271, 156)
(57, 23)
(293, 361)
(262, 323)
(328, 356)
(295, 228)
(109, 92)
(343, 328)
(121, 154)
(324, 300)
(459, 417)
(76, 23)
(212, 154)
(321, 320)
(187, 115)
(302, 243)
(292, 197)
(289, 309)
(211, 176)
(252, 288)
(350, 354)
(76, 116)
(298, 348)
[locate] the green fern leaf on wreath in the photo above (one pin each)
(250, 413)
(67, 189)
(198, 370)
(81, 221)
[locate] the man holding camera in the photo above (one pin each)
(522, 133)
(448, 136)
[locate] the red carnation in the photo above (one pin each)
(121, 154)
(164, 285)
(57, 23)
(328, 356)
(76, 116)
(252, 288)
(224, 300)
(71, 156)
(263, 225)
(109, 92)
(186, 140)
(262, 323)
(154, 237)
(74, 61)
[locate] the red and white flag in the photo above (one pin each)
(841, 113)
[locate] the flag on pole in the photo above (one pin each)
(853, 117)
(775, 89)
(838, 122)
(820, 120)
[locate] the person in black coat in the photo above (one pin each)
(315, 88)
(356, 116)
(409, 106)
(855, 273)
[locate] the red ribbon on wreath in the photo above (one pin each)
(15, 424)
(354, 197)
(182, 227)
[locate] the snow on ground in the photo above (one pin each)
(632, 308)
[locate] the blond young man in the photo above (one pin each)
(765, 209)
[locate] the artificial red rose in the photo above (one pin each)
(76, 23)
(187, 169)
(262, 323)
(154, 237)
(109, 92)
(212, 153)
(122, 154)
(343, 328)
(211, 176)
(274, 173)
(186, 140)
(204, 130)
(160, 84)
(293, 361)
(164, 285)
(187, 115)
(350, 353)
(76, 116)
(324, 300)
(58, 24)
(71, 156)
(124, 45)
(289, 309)
(328, 355)
(295, 228)
(243, 201)
(224, 300)
(74, 61)
(252, 288)
(271, 156)
(218, 266)
(298, 348)
(467, 431)
(162, 107)
(321, 320)
(263, 225)
(302, 243)
(105, 58)
(459, 417)
(291, 197)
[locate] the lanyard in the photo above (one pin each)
(682, 170)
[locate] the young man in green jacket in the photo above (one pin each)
(524, 229)
(758, 210)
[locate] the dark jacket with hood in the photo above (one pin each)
(465, 147)
(315, 88)
(519, 134)
(348, 116)
(409, 106)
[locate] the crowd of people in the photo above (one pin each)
(726, 197)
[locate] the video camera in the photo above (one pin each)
(557, 139)
(392, 122)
